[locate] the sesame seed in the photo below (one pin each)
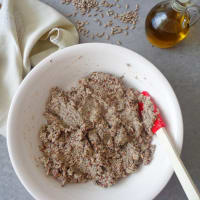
(126, 28)
(92, 36)
(74, 14)
(119, 42)
(108, 37)
(101, 8)
(132, 27)
(69, 15)
(100, 35)
(99, 23)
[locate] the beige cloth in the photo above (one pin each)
(29, 31)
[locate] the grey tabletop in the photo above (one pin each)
(180, 65)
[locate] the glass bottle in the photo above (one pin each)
(169, 22)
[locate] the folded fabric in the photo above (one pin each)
(29, 31)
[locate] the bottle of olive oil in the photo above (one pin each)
(169, 22)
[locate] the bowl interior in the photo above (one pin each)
(64, 69)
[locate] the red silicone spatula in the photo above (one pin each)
(179, 168)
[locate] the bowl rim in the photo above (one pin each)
(61, 53)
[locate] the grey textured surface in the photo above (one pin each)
(180, 65)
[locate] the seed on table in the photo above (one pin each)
(119, 42)
(100, 35)
(69, 15)
(126, 28)
(95, 14)
(92, 36)
(99, 23)
(74, 14)
(126, 33)
(127, 6)
(108, 37)
(132, 27)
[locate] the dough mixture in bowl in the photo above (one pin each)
(95, 131)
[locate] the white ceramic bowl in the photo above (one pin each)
(63, 69)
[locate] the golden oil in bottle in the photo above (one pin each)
(165, 25)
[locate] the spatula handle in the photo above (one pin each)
(179, 168)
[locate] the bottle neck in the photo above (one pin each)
(180, 5)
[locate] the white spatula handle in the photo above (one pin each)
(179, 168)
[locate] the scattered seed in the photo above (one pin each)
(129, 17)
(92, 36)
(74, 14)
(108, 37)
(116, 30)
(67, 2)
(127, 6)
(99, 23)
(97, 9)
(102, 15)
(110, 13)
(68, 15)
(132, 27)
(80, 25)
(85, 6)
(119, 42)
(106, 4)
(100, 35)
(127, 27)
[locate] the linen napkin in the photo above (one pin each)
(29, 31)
